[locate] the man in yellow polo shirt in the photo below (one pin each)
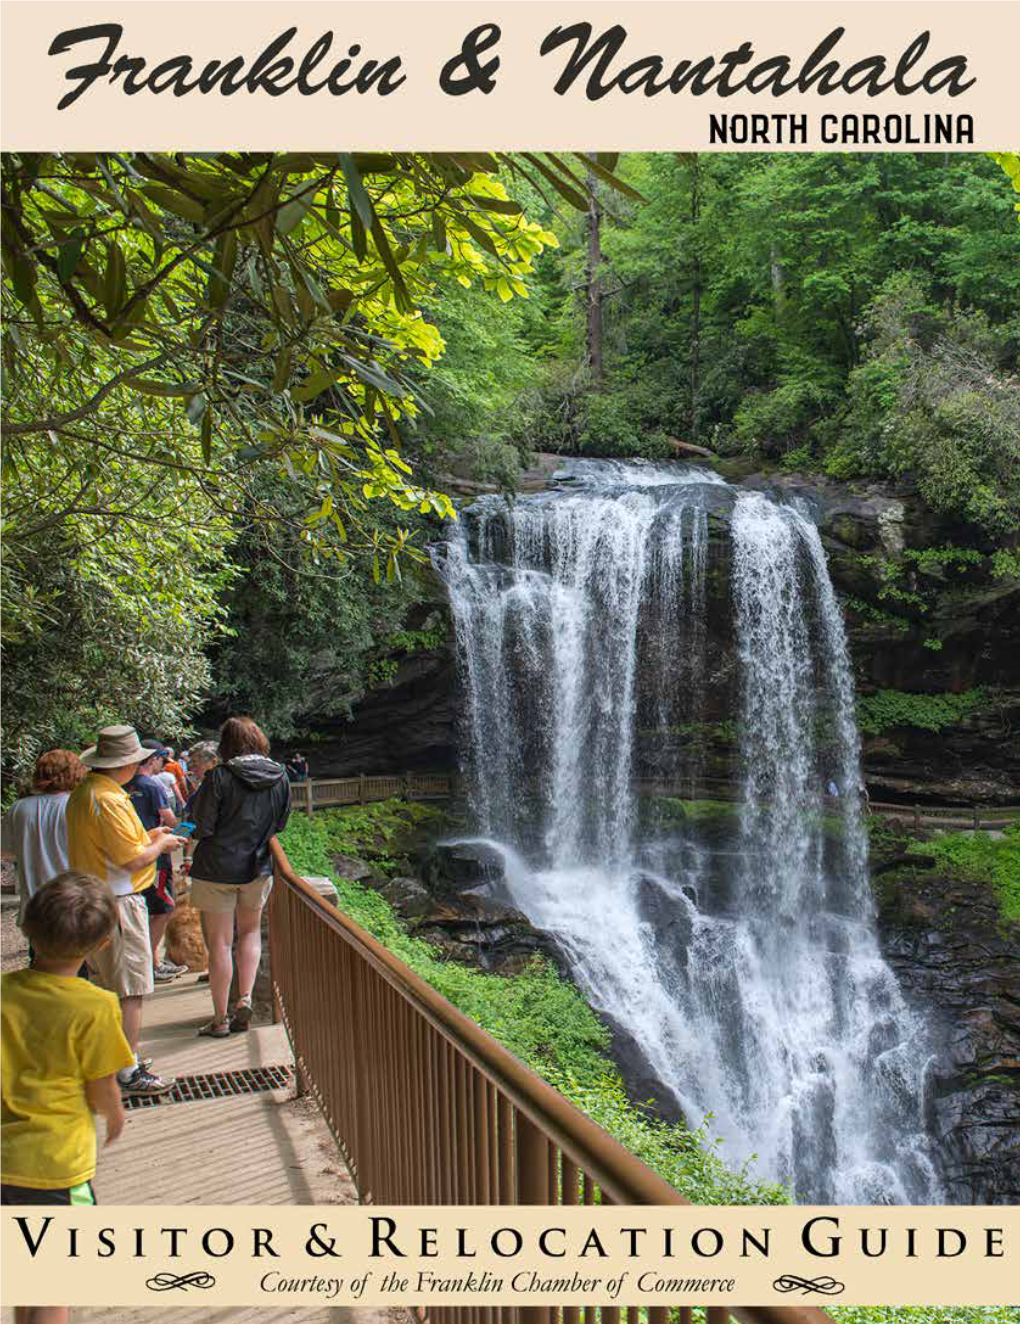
(105, 837)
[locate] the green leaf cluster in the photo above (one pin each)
(888, 709)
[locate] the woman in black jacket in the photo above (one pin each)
(239, 807)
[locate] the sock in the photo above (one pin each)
(125, 1073)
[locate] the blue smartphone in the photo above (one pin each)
(183, 829)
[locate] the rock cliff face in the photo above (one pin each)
(955, 957)
(408, 725)
(919, 624)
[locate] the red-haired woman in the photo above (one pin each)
(34, 829)
(239, 807)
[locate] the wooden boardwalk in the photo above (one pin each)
(333, 792)
(265, 1148)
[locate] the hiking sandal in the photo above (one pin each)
(215, 1029)
(241, 1018)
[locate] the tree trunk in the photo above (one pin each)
(593, 288)
(696, 287)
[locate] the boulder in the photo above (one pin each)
(408, 897)
(478, 930)
(355, 870)
(451, 868)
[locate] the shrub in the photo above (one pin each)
(613, 427)
(929, 712)
(773, 419)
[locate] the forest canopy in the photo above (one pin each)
(237, 388)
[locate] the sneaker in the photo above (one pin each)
(161, 975)
(175, 969)
(146, 1085)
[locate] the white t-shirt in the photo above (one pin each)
(34, 831)
(169, 784)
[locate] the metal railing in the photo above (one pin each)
(429, 1109)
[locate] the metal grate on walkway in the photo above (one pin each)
(219, 1085)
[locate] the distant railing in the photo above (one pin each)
(978, 818)
(321, 793)
(429, 1109)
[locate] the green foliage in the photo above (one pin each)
(611, 428)
(539, 1017)
(1005, 564)
(857, 311)
(306, 639)
(875, 614)
(1010, 163)
(107, 611)
(772, 419)
(216, 361)
(934, 560)
(472, 423)
(381, 832)
(419, 641)
(925, 1314)
(994, 860)
(932, 403)
(888, 709)
(801, 457)
(924, 582)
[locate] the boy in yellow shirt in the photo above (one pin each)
(61, 1048)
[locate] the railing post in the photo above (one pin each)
(977, 820)
(361, 788)
(532, 1154)
(308, 797)
(917, 816)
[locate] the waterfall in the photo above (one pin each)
(747, 973)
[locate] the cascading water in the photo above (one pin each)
(749, 976)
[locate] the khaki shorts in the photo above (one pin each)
(225, 898)
(124, 965)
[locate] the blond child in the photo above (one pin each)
(62, 1047)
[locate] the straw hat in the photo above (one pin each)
(116, 747)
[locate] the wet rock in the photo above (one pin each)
(451, 868)
(484, 932)
(408, 897)
(644, 1088)
(959, 962)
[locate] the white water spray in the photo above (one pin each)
(751, 980)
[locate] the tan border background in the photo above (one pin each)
(296, 1277)
(522, 111)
